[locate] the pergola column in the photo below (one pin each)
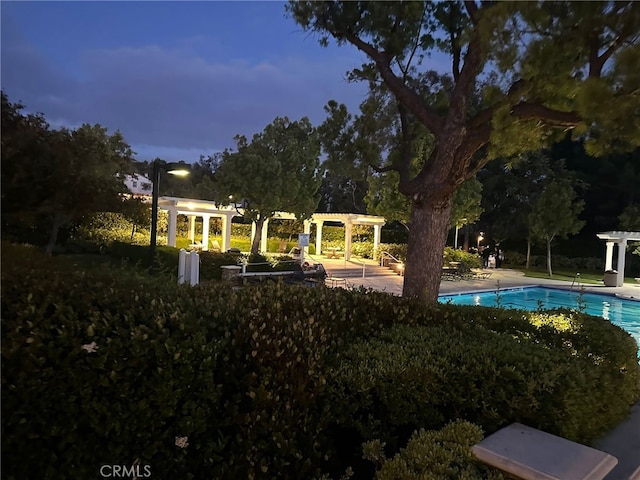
(608, 263)
(622, 249)
(172, 227)
(264, 236)
(253, 231)
(192, 228)
(226, 232)
(319, 224)
(376, 238)
(205, 232)
(306, 229)
(347, 240)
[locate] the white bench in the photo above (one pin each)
(532, 454)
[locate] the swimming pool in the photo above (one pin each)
(621, 312)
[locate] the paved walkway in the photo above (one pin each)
(623, 442)
(382, 279)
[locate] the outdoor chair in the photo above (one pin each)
(197, 245)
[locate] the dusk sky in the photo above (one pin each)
(178, 79)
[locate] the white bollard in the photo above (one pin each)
(194, 270)
(182, 264)
(187, 268)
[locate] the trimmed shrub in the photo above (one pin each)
(362, 249)
(263, 264)
(584, 264)
(210, 263)
(469, 259)
(398, 250)
(275, 381)
(401, 379)
(167, 258)
(434, 455)
(126, 370)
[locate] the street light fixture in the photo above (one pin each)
(480, 238)
(174, 169)
(455, 243)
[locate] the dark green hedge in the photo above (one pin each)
(434, 455)
(167, 259)
(274, 381)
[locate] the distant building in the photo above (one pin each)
(138, 185)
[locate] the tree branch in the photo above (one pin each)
(472, 10)
(388, 168)
(414, 102)
(406, 152)
(532, 111)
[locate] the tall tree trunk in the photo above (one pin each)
(255, 244)
(549, 258)
(429, 221)
(59, 219)
(528, 254)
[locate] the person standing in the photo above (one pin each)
(498, 254)
(486, 253)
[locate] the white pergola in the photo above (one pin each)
(197, 208)
(620, 239)
(348, 220)
(205, 209)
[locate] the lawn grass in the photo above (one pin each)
(594, 278)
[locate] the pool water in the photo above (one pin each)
(621, 312)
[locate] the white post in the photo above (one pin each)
(192, 228)
(171, 229)
(376, 238)
(194, 270)
(622, 250)
(226, 232)
(319, 237)
(347, 240)
(609, 257)
(307, 229)
(187, 267)
(455, 242)
(253, 231)
(264, 236)
(182, 264)
(205, 232)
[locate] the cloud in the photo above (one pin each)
(173, 99)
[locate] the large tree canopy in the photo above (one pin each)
(62, 174)
(537, 68)
(278, 171)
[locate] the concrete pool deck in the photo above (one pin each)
(623, 442)
(382, 279)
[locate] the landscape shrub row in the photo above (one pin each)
(167, 259)
(585, 264)
(281, 382)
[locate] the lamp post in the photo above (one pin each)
(174, 169)
(455, 243)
